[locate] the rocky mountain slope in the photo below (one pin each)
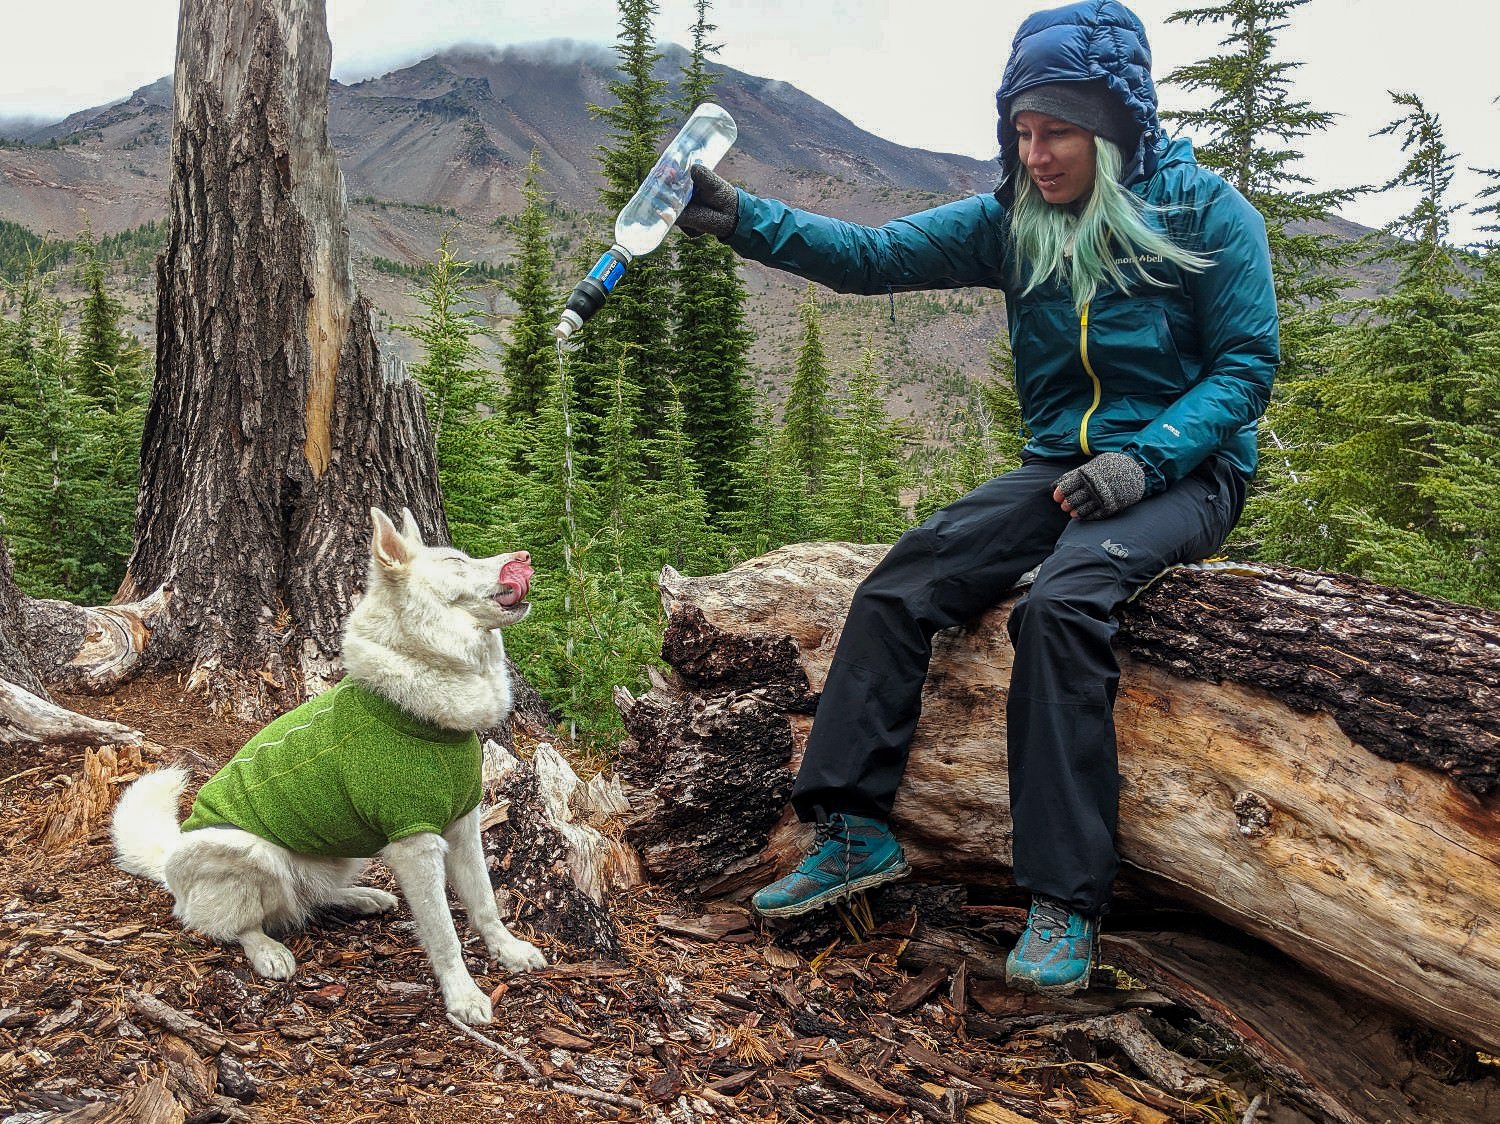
(442, 145)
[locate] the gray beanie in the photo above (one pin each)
(1089, 105)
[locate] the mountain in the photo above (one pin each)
(456, 131)
(442, 145)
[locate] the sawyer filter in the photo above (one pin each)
(645, 220)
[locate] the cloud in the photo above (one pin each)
(552, 51)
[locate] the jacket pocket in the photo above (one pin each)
(1133, 351)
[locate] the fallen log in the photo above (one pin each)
(1310, 757)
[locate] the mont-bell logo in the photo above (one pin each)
(1115, 549)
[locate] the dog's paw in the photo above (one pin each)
(273, 960)
(469, 1005)
(518, 956)
(365, 900)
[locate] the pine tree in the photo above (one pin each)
(862, 496)
(808, 419)
(1251, 129)
(595, 625)
(530, 354)
(1403, 407)
(1003, 405)
(771, 497)
(66, 462)
(1461, 479)
(111, 361)
(621, 472)
(1252, 125)
(709, 334)
(19, 338)
(986, 440)
(636, 318)
(1425, 386)
(674, 514)
(474, 450)
(555, 496)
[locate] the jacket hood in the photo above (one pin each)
(1096, 39)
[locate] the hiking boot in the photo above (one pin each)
(1056, 950)
(849, 854)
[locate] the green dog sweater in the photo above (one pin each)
(342, 775)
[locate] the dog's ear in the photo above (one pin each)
(409, 529)
(387, 546)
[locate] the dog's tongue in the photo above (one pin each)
(515, 582)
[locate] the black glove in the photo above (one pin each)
(714, 207)
(1105, 485)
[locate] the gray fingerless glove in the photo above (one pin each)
(1105, 485)
(714, 207)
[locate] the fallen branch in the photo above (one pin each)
(91, 649)
(1170, 1071)
(29, 720)
(619, 1100)
(530, 1070)
(186, 1026)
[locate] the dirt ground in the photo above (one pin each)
(706, 1016)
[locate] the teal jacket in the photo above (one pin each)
(1169, 374)
(342, 775)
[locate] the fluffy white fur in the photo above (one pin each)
(426, 636)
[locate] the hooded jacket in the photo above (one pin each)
(1169, 374)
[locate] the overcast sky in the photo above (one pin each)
(918, 72)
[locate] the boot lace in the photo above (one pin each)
(826, 831)
(1048, 913)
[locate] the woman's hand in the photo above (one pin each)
(714, 207)
(1105, 485)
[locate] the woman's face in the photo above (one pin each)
(1058, 155)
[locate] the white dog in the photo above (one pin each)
(386, 762)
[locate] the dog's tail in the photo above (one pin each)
(144, 826)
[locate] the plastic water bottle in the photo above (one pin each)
(645, 220)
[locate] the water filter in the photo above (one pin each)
(645, 220)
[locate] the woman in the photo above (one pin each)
(1143, 324)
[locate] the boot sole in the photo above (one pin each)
(1022, 983)
(1031, 987)
(838, 893)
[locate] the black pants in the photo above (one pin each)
(1064, 778)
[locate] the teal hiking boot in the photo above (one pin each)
(1056, 950)
(850, 854)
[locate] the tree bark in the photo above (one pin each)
(554, 866)
(1309, 757)
(28, 720)
(28, 716)
(15, 660)
(275, 422)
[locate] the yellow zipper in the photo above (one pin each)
(1083, 351)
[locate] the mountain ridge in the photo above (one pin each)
(442, 144)
(455, 129)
